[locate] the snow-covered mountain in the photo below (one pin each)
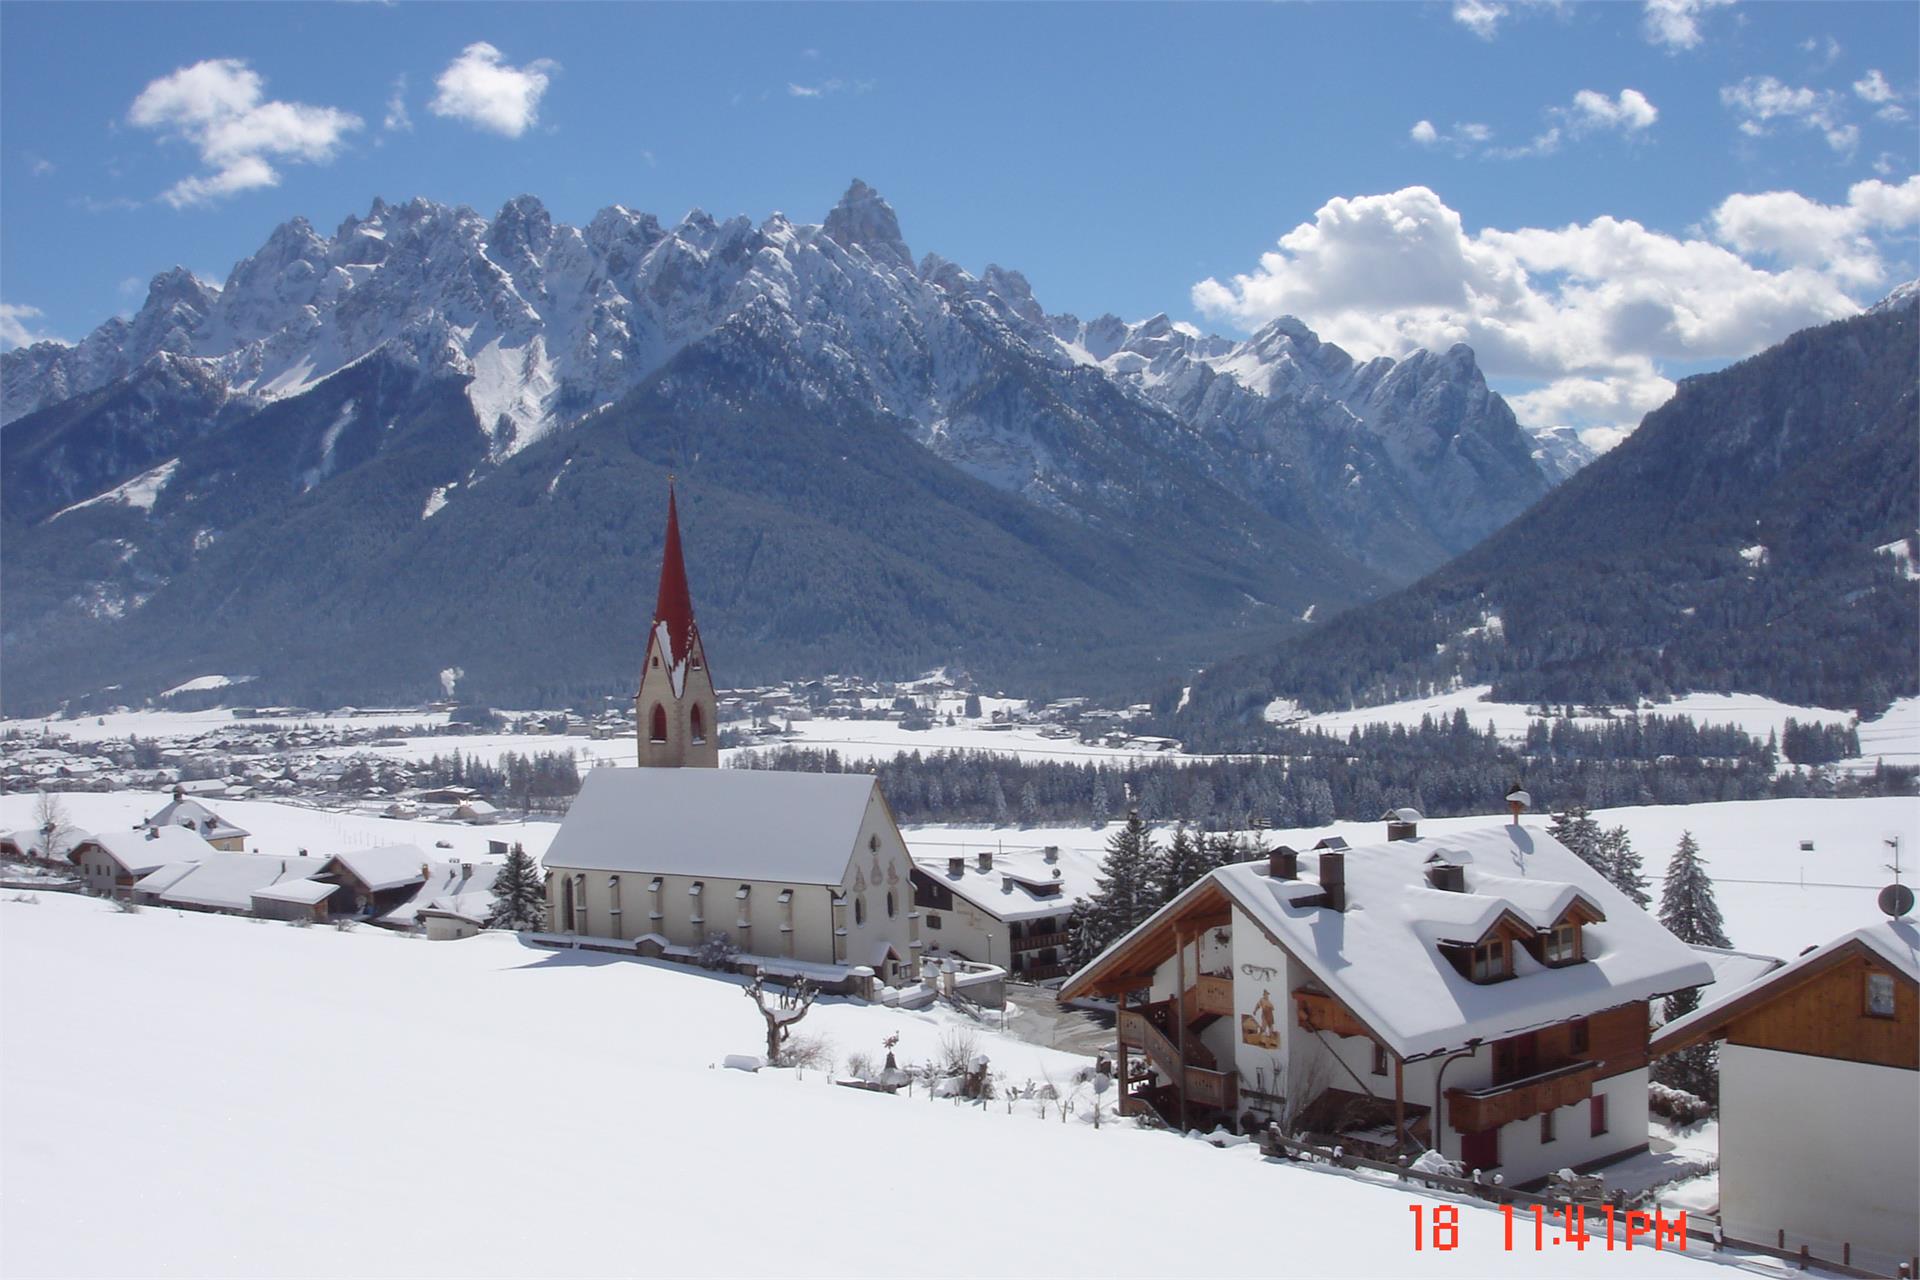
(1280, 451)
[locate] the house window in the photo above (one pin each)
(1599, 1110)
(659, 731)
(933, 920)
(1563, 944)
(699, 724)
(1379, 1059)
(1879, 995)
(1546, 1127)
(1580, 1039)
(1490, 961)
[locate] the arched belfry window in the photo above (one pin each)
(659, 730)
(699, 724)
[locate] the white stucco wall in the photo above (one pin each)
(1823, 1148)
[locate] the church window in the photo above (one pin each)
(694, 662)
(890, 907)
(699, 724)
(659, 731)
(859, 910)
(613, 901)
(873, 843)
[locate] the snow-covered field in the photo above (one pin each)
(1747, 711)
(884, 739)
(210, 1096)
(186, 724)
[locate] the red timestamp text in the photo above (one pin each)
(1541, 1228)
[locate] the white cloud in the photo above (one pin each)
(803, 91)
(1588, 312)
(17, 329)
(397, 120)
(1424, 133)
(480, 88)
(39, 166)
(825, 87)
(1759, 100)
(1482, 17)
(1874, 87)
(1629, 113)
(1466, 136)
(1675, 24)
(1825, 50)
(1837, 239)
(217, 106)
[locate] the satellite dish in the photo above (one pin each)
(1896, 900)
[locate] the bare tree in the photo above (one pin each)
(790, 1004)
(50, 818)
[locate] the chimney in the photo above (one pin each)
(1053, 853)
(956, 866)
(153, 833)
(1518, 802)
(1333, 879)
(1403, 824)
(1448, 877)
(179, 791)
(1283, 864)
(985, 859)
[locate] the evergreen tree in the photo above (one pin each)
(1126, 890)
(1102, 805)
(1029, 806)
(519, 894)
(1577, 830)
(997, 799)
(972, 707)
(1183, 861)
(1623, 866)
(1687, 907)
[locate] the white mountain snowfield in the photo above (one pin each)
(211, 1096)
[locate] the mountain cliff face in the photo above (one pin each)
(417, 355)
(1755, 534)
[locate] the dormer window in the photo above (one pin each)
(1562, 944)
(1492, 961)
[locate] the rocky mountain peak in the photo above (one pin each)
(863, 220)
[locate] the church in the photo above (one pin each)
(802, 871)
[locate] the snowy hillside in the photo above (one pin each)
(335, 1103)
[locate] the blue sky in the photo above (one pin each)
(1583, 203)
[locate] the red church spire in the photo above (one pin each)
(674, 608)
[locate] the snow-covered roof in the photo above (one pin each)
(190, 813)
(463, 889)
(1010, 889)
(1381, 957)
(390, 866)
(163, 878)
(1895, 941)
(228, 881)
(304, 892)
(141, 851)
(740, 824)
(1733, 971)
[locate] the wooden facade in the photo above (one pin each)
(1821, 1011)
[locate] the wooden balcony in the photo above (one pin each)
(1039, 941)
(1471, 1110)
(1318, 1011)
(1209, 997)
(1217, 1089)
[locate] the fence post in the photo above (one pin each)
(1803, 1257)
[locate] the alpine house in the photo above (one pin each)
(1483, 994)
(800, 872)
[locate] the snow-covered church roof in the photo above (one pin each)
(1381, 957)
(741, 824)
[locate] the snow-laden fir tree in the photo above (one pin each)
(1622, 866)
(1102, 805)
(1182, 861)
(997, 798)
(1029, 806)
(1576, 829)
(1687, 907)
(1126, 890)
(519, 894)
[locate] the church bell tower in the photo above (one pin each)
(674, 710)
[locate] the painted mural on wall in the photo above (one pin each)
(1257, 1028)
